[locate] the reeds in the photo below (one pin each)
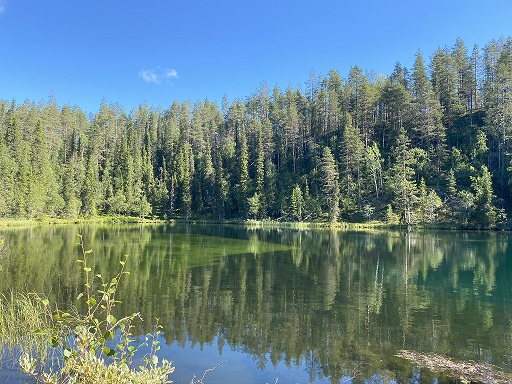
(23, 322)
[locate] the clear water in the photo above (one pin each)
(267, 305)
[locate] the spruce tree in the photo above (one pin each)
(297, 203)
(330, 184)
(485, 211)
(401, 180)
(7, 179)
(352, 149)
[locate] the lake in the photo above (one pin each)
(283, 305)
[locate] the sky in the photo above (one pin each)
(157, 51)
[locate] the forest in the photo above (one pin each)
(430, 146)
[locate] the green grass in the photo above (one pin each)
(4, 223)
(302, 225)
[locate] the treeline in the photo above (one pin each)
(430, 145)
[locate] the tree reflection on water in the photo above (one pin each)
(336, 304)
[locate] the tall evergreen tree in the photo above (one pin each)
(330, 184)
(44, 197)
(7, 179)
(395, 105)
(429, 131)
(91, 187)
(498, 99)
(401, 180)
(297, 203)
(373, 173)
(464, 69)
(360, 100)
(485, 211)
(352, 161)
(70, 188)
(445, 80)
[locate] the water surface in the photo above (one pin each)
(262, 305)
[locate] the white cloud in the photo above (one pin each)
(172, 73)
(149, 76)
(157, 75)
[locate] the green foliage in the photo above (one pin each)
(96, 346)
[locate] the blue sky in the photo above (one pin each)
(158, 51)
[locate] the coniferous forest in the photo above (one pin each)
(429, 145)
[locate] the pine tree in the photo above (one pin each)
(161, 193)
(23, 180)
(254, 206)
(334, 104)
(473, 82)
(428, 203)
(260, 161)
(220, 187)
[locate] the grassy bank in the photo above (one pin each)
(111, 219)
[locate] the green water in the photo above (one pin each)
(297, 306)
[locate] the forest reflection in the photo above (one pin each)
(340, 303)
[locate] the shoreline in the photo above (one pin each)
(301, 225)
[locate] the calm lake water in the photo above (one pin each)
(267, 305)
